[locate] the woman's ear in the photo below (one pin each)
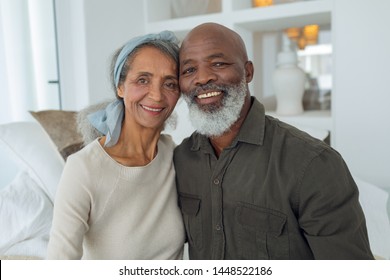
(249, 71)
(119, 91)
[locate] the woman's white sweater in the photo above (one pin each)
(104, 210)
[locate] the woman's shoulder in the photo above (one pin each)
(82, 167)
(87, 154)
(167, 141)
(166, 145)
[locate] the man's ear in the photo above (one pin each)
(249, 71)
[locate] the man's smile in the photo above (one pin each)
(209, 94)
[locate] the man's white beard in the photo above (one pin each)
(215, 121)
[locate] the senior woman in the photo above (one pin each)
(117, 197)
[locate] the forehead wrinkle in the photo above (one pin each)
(209, 57)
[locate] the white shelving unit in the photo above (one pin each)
(237, 13)
(251, 23)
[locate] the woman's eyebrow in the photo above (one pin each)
(168, 76)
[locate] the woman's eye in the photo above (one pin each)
(142, 81)
(171, 85)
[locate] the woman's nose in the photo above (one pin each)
(155, 93)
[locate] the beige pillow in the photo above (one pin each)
(19, 258)
(62, 129)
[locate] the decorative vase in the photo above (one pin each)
(185, 8)
(288, 82)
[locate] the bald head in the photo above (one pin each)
(219, 33)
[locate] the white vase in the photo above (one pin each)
(185, 8)
(288, 82)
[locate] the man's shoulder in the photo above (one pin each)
(188, 143)
(293, 137)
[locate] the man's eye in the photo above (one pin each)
(219, 64)
(188, 70)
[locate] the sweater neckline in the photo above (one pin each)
(117, 164)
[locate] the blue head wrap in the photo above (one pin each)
(109, 120)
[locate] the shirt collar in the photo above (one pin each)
(252, 129)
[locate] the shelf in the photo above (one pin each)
(321, 119)
(277, 17)
(182, 25)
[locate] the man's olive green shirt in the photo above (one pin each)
(274, 193)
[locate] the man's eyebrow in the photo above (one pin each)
(212, 56)
(186, 61)
(215, 55)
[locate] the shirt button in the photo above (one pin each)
(218, 227)
(216, 181)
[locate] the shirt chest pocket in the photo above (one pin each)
(262, 232)
(192, 216)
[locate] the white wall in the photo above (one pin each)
(17, 91)
(43, 48)
(72, 53)
(183, 127)
(108, 25)
(361, 87)
(89, 32)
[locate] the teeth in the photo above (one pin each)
(209, 94)
(152, 109)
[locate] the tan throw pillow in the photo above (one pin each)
(62, 129)
(71, 149)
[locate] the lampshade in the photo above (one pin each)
(262, 3)
(310, 32)
(301, 42)
(293, 33)
(307, 35)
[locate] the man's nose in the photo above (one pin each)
(204, 76)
